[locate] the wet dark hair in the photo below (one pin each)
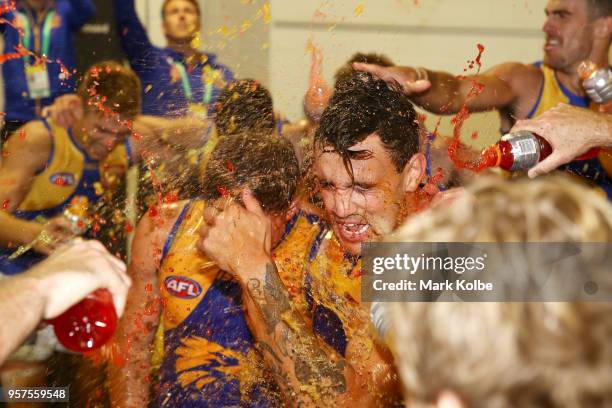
(244, 105)
(599, 8)
(364, 106)
(266, 163)
(346, 71)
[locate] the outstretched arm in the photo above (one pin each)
(182, 133)
(152, 134)
(444, 93)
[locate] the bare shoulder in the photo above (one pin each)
(30, 145)
(154, 227)
(517, 74)
(152, 232)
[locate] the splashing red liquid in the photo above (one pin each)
(461, 156)
(223, 191)
(318, 94)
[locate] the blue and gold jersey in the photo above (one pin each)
(69, 172)
(598, 169)
(326, 282)
(209, 359)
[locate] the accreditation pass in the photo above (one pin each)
(34, 394)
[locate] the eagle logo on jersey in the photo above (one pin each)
(203, 362)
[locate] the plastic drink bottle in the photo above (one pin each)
(597, 82)
(521, 151)
(90, 323)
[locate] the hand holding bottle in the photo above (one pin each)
(75, 271)
(571, 132)
(86, 273)
(597, 82)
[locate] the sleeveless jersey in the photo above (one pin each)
(209, 359)
(599, 169)
(69, 172)
(313, 265)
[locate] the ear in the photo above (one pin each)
(413, 172)
(603, 28)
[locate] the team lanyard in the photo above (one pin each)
(208, 85)
(46, 32)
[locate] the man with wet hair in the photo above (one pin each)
(317, 97)
(303, 298)
(45, 166)
(209, 354)
(178, 79)
(575, 30)
(245, 105)
(346, 71)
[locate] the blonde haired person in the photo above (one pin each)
(508, 354)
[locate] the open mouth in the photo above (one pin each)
(353, 232)
(551, 43)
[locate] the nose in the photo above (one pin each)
(344, 203)
(548, 27)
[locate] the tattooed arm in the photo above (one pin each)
(308, 371)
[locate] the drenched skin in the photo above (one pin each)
(368, 205)
(308, 371)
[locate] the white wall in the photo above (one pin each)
(150, 15)
(237, 31)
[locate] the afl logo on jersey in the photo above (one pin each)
(62, 179)
(182, 287)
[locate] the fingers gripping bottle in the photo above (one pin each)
(89, 324)
(520, 151)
